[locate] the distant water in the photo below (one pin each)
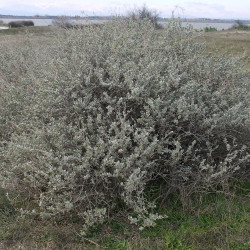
(44, 22)
(196, 25)
(199, 26)
(37, 22)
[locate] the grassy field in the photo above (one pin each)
(211, 221)
(35, 30)
(214, 221)
(233, 43)
(17, 36)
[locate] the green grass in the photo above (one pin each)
(210, 29)
(215, 221)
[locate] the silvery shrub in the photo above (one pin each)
(95, 121)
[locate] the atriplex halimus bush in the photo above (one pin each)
(108, 112)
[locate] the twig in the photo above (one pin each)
(91, 241)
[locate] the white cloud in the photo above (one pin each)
(214, 10)
(105, 7)
(61, 7)
(198, 9)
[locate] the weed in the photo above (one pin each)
(210, 29)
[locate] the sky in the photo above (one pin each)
(224, 9)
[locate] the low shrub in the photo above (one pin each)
(118, 117)
(209, 29)
(144, 13)
(63, 22)
(66, 22)
(239, 25)
(19, 24)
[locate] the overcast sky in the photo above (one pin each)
(229, 9)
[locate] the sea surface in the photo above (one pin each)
(196, 25)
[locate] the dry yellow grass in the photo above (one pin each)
(231, 42)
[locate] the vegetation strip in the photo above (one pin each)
(119, 128)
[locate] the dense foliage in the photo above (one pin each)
(19, 24)
(239, 25)
(209, 29)
(146, 14)
(107, 114)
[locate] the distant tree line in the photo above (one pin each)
(239, 25)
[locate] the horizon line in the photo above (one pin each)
(109, 16)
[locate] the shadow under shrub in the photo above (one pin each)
(109, 111)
